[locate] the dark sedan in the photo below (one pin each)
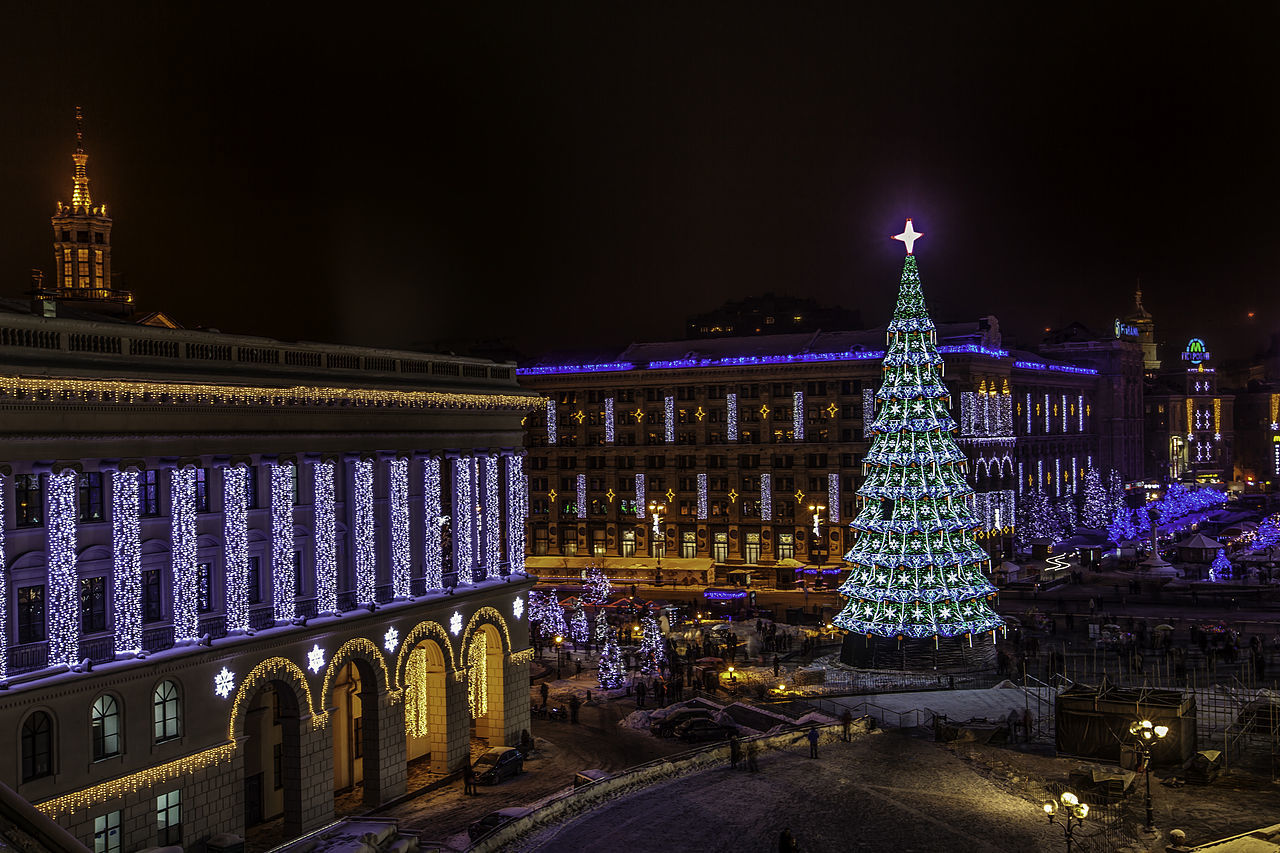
(497, 764)
(700, 730)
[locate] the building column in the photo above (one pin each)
(326, 535)
(284, 588)
(185, 585)
(398, 526)
(126, 564)
(362, 536)
(491, 529)
(235, 548)
(517, 510)
(392, 776)
(433, 522)
(64, 594)
(464, 516)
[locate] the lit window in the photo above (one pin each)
(168, 710)
(106, 728)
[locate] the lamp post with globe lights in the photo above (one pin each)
(657, 511)
(1146, 734)
(1073, 813)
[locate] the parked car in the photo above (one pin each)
(498, 763)
(493, 820)
(666, 727)
(702, 729)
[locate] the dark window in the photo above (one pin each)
(202, 490)
(37, 746)
(148, 494)
(297, 573)
(106, 728)
(251, 487)
(277, 765)
(297, 485)
(255, 580)
(204, 582)
(93, 604)
(357, 737)
(97, 237)
(28, 499)
(31, 614)
(167, 708)
(91, 496)
(168, 820)
(151, 609)
(82, 236)
(66, 236)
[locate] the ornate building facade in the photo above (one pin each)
(238, 575)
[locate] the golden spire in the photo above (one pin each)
(80, 197)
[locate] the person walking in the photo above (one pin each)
(777, 665)
(641, 690)
(468, 779)
(753, 750)
(543, 691)
(574, 704)
(813, 742)
(735, 751)
(846, 719)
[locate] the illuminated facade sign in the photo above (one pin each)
(1196, 352)
(1126, 330)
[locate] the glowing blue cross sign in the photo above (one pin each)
(909, 236)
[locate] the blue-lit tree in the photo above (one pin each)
(610, 673)
(597, 587)
(653, 652)
(1220, 568)
(917, 567)
(1121, 528)
(579, 632)
(1037, 519)
(1094, 510)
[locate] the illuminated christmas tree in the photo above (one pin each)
(610, 673)
(1121, 528)
(917, 569)
(653, 653)
(1220, 568)
(578, 630)
(602, 626)
(597, 588)
(1094, 509)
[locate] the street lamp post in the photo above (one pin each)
(559, 642)
(656, 510)
(1146, 734)
(1074, 812)
(817, 552)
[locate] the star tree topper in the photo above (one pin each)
(909, 236)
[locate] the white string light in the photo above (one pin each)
(235, 499)
(362, 487)
(186, 586)
(797, 415)
(517, 505)
(581, 482)
(463, 516)
(284, 591)
(669, 419)
(608, 421)
(64, 609)
(552, 433)
(433, 553)
(4, 591)
(833, 497)
(126, 567)
(702, 496)
(326, 534)
(731, 430)
(640, 485)
(492, 518)
(398, 512)
(766, 497)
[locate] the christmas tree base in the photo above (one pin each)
(950, 654)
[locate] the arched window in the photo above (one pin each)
(37, 746)
(106, 728)
(167, 711)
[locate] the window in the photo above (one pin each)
(106, 727)
(167, 707)
(251, 487)
(151, 609)
(148, 494)
(37, 746)
(31, 614)
(297, 573)
(91, 497)
(204, 581)
(168, 820)
(357, 737)
(297, 485)
(28, 499)
(93, 604)
(202, 490)
(106, 833)
(255, 580)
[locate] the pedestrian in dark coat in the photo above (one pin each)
(735, 751)
(777, 666)
(846, 719)
(543, 691)
(753, 750)
(641, 690)
(574, 704)
(468, 779)
(813, 742)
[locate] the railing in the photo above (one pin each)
(28, 657)
(215, 626)
(262, 617)
(306, 608)
(157, 639)
(98, 649)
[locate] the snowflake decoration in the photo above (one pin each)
(517, 607)
(315, 658)
(455, 623)
(224, 682)
(390, 639)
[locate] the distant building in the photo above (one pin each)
(740, 438)
(1141, 320)
(1190, 421)
(770, 315)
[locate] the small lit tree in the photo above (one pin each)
(1094, 509)
(610, 672)
(1121, 528)
(597, 588)
(578, 630)
(653, 651)
(1220, 568)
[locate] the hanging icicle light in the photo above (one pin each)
(186, 585)
(64, 603)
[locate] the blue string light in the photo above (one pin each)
(366, 568)
(186, 584)
(126, 568)
(326, 539)
(235, 485)
(398, 515)
(64, 604)
(284, 591)
(433, 522)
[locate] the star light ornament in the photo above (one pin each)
(909, 236)
(517, 607)
(390, 639)
(224, 682)
(315, 658)
(455, 623)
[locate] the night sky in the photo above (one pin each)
(558, 175)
